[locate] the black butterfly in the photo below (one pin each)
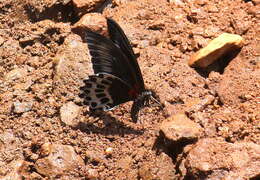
(117, 77)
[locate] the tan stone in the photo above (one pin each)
(85, 6)
(215, 49)
(180, 127)
(92, 21)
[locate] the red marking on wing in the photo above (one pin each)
(135, 91)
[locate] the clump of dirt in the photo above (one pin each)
(43, 64)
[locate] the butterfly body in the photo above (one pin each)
(117, 77)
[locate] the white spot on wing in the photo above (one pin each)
(94, 85)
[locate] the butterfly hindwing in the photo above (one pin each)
(104, 91)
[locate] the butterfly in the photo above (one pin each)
(117, 76)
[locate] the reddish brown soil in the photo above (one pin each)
(165, 36)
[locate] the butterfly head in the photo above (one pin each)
(146, 98)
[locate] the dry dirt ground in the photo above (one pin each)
(43, 63)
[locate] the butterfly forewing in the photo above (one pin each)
(108, 58)
(118, 36)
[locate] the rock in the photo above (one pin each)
(2, 40)
(45, 3)
(199, 104)
(7, 139)
(180, 127)
(166, 167)
(223, 160)
(212, 8)
(16, 74)
(45, 149)
(92, 21)
(15, 167)
(161, 168)
(72, 65)
(156, 24)
(213, 80)
(125, 162)
(143, 44)
(94, 156)
(85, 6)
(210, 31)
(60, 159)
(256, 2)
(145, 173)
(179, 3)
(215, 49)
(92, 174)
(25, 85)
(254, 10)
(119, 2)
(201, 2)
(200, 41)
(241, 27)
(21, 107)
(9, 144)
(209, 127)
(109, 151)
(69, 113)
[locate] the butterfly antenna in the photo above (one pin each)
(156, 101)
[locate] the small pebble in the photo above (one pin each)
(177, 2)
(92, 174)
(16, 74)
(69, 113)
(109, 151)
(19, 107)
(46, 149)
(2, 40)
